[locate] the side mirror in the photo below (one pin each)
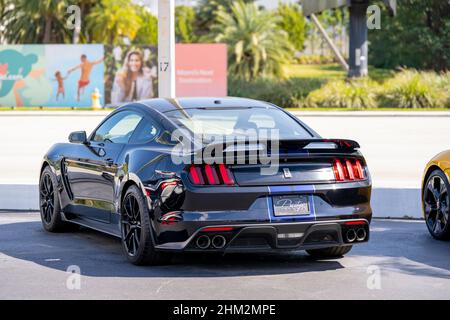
(78, 137)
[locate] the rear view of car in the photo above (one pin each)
(295, 191)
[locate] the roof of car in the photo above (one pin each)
(164, 105)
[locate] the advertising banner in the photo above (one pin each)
(201, 70)
(131, 73)
(51, 75)
(67, 75)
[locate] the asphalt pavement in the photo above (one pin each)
(401, 261)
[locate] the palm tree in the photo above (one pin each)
(148, 32)
(184, 24)
(207, 13)
(35, 21)
(110, 21)
(257, 47)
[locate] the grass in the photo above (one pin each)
(332, 72)
(326, 71)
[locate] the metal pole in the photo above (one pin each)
(166, 48)
(358, 54)
(329, 41)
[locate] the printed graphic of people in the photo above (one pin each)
(86, 68)
(60, 79)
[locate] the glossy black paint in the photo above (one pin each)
(94, 176)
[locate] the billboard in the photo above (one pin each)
(201, 70)
(50, 75)
(67, 75)
(131, 73)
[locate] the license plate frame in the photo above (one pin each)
(291, 206)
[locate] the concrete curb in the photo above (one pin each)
(386, 202)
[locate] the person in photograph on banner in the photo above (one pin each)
(135, 79)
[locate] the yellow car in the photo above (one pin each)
(435, 195)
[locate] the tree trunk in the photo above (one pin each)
(48, 30)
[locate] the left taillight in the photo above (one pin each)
(208, 174)
(348, 170)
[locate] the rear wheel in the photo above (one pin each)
(49, 203)
(136, 231)
(436, 206)
(333, 252)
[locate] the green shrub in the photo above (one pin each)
(287, 94)
(415, 90)
(351, 94)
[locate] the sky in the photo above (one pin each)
(153, 4)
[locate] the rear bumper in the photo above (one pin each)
(273, 236)
(249, 211)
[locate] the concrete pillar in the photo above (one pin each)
(166, 48)
(358, 55)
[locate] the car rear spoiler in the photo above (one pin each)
(285, 147)
(321, 144)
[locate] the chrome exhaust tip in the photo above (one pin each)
(219, 242)
(203, 242)
(361, 234)
(351, 235)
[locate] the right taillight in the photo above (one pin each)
(211, 175)
(348, 170)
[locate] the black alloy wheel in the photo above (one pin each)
(131, 224)
(436, 205)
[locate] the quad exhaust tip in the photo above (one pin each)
(361, 234)
(351, 235)
(203, 242)
(219, 242)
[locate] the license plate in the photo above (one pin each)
(291, 205)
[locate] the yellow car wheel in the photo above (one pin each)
(436, 204)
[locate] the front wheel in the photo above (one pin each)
(137, 240)
(333, 252)
(436, 205)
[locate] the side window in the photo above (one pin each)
(146, 131)
(118, 128)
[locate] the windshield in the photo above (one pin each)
(230, 121)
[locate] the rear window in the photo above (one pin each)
(229, 121)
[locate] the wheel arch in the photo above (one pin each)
(428, 172)
(132, 180)
(44, 164)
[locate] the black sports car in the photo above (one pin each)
(130, 178)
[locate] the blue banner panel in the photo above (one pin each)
(51, 75)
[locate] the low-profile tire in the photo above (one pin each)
(436, 205)
(49, 205)
(137, 242)
(333, 252)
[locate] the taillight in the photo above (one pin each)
(348, 170)
(226, 175)
(338, 170)
(211, 175)
(195, 175)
